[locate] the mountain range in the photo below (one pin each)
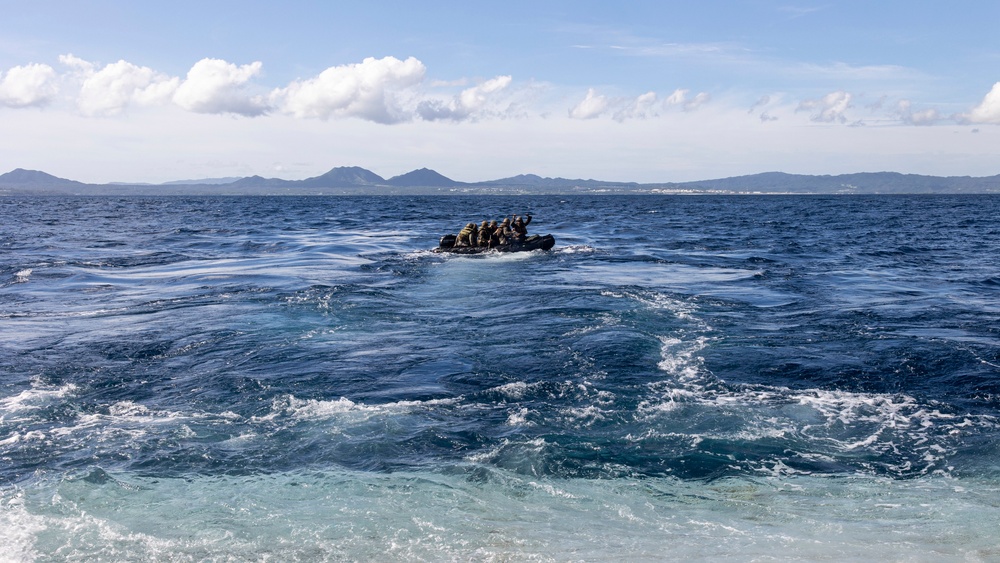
(356, 180)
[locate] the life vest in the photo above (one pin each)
(466, 237)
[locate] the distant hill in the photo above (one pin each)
(356, 180)
(423, 178)
(527, 180)
(344, 176)
(201, 182)
(861, 183)
(34, 178)
(257, 182)
(538, 181)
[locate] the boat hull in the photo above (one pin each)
(534, 242)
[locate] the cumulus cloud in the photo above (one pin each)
(677, 98)
(644, 106)
(907, 115)
(989, 110)
(217, 86)
(591, 106)
(368, 90)
(112, 89)
(829, 108)
(639, 108)
(74, 62)
(26, 86)
(466, 104)
(696, 102)
(680, 98)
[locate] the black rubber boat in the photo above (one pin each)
(533, 242)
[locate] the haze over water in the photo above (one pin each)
(681, 378)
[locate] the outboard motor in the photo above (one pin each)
(447, 241)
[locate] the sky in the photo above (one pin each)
(636, 91)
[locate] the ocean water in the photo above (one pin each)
(761, 378)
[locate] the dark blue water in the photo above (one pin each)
(685, 377)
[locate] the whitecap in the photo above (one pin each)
(35, 398)
(518, 418)
(515, 390)
(679, 357)
(576, 249)
(317, 409)
(19, 529)
(587, 415)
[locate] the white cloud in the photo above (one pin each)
(118, 85)
(907, 115)
(829, 108)
(475, 97)
(26, 86)
(466, 104)
(590, 107)
(699, 100)
(989, 110)
(369, 90)
(677, 98)
(680, 98)
(639, 108)
(643, 106)
(77, 63)
(217, 86)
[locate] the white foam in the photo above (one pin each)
(38, 396)
(679, 357)
(19, 528)
(892, 426)
(311, 408)
(317, 409)
(515, 390)
(518, 418)
(576, 249)
(587, 415)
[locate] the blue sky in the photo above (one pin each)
(631, 91)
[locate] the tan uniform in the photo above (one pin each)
(520, 227)
(468, 236)
(485, 233)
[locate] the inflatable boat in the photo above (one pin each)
(533, 242)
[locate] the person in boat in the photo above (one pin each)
(493, 228)
(469, 236)
(485, 233)
(503, 234)
(520, 228)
